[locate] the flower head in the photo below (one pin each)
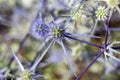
(39, 29)
(26, 75)
(57, 31)
(112, 3)
(101, 13)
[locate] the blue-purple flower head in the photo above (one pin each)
(39, 29)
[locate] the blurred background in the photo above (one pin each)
(16, 17)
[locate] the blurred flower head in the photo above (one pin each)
(39, 29)
(101, 13)
(112, 3)
(26, 75)
(78, 13)
(57, 31)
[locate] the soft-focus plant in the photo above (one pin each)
(112, 5)
(101, 15)
(25, 74)
(57, 34)
(56, 31)
(107, 49)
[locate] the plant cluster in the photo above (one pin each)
(75, 23)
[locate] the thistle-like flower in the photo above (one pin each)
(57, 31)
(39, 29)
(57, 35)
(101, 13)
(112, 5)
